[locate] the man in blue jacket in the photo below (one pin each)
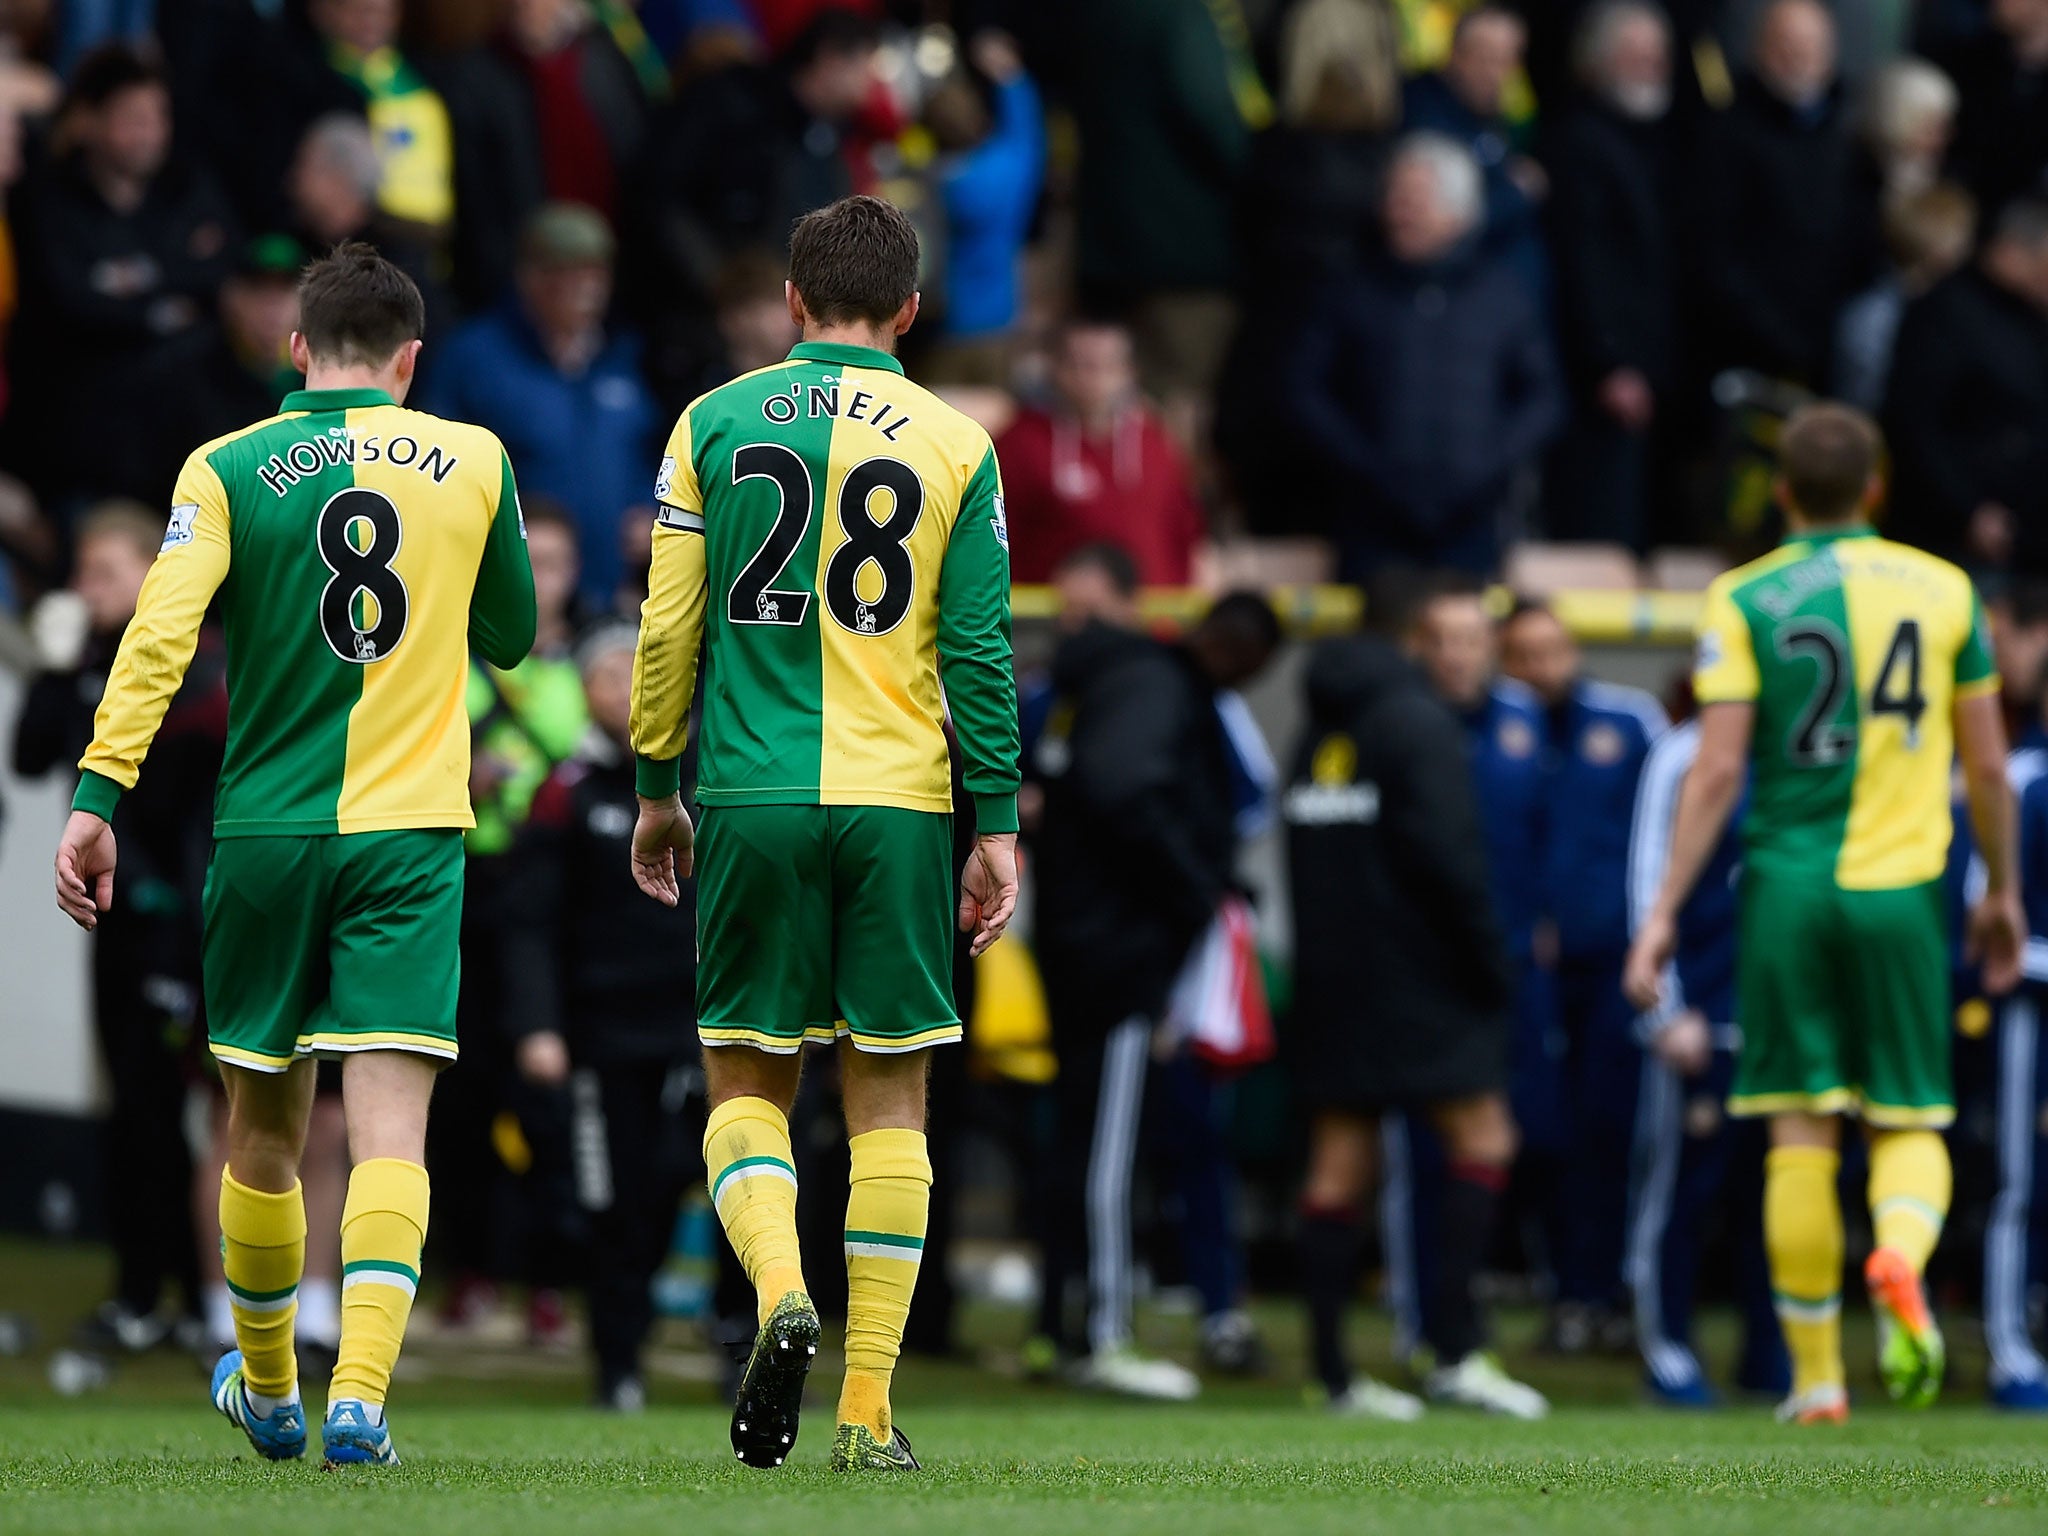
(564, 394)
(1596, 735)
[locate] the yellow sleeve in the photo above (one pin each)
(665, 666)
(1724, 665)
(679, 499)
(160, 640)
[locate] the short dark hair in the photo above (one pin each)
(356, 307)
(1112, 560)
(836, 29)
(1524, 605)
(1245, 618)
(855, 259)
(109, 70)
(546, 512)
(1826, 456)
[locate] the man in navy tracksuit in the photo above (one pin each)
(1690, 1156)
(1596, 737)
(1452, 638)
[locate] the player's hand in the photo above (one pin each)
(543, 1058)
(1996, 939)
(1686, 1044)
(664, 848)
(1642, 978)
(988, 889)
(85, 869)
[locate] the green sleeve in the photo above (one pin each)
(1974, 662)
(974, 648)
(502, 615)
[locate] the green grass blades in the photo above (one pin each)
(1043, 1465)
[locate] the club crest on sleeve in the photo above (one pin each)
(665, 479)
(1001, 524)
(519, 510)
(1708, 653)
(178, 532)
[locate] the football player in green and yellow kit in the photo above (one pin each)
(830, 538)
(358, 551)
(1843, 675)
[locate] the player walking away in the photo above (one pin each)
(1845, 673)
(358, 550)
(832, 537)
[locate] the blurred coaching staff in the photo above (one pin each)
(1404, 999)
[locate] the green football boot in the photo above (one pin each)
(855, 1449)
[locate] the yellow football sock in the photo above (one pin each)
(752, 1174)
(263, 1254)
(1803, 1234)
(1910, 1182)
(383, 1228)
(886, 1212)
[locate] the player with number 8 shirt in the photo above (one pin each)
(830, 537)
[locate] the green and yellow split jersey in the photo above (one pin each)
(358, 550)
(832, 537)
(1854, 650)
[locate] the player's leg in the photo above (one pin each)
(893, 893)
(1909, 1097)
(1478, 1136)
(396, 971)
(1660, 1229)
(265, 968)
(1340, 1171)
(2019, 1376)
(1796, 1025)
(765, 942)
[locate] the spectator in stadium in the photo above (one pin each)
(562, 391)
(219, 379)
(1422, 450)
(331, 190)
(1597, 735)
(1403, 1002)
(2001, 79)
(2018, 614)
(1307, 214)
(1966, 413)
(989, 177)
(739, 155)
(1909, 118)
(1927, 235)
(1693, 1163)
(1782, 235)
(145, 974)
(1136, 848)
(1465, 101)
(1613, 232)
(587, 105)
(121, 249)
(1165, 104)
(1097, 465)
(598, 988)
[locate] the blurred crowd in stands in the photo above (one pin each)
(1245, 290)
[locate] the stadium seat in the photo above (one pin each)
(1679, 569)
(1542, 570)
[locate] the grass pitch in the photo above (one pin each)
(1046, 1464)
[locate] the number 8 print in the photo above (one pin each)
(363, 607)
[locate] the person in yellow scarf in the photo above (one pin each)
(408, 119)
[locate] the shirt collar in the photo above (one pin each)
(845, 355)
(333, 399)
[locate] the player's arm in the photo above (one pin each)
(665, 672)
(147, 671)
(981, 694)
(1726, 683)
(1997, 935)
(1678, 1034)
(503, 616)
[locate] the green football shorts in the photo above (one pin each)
(319, 946)
(1844, 1002)
(815, 921)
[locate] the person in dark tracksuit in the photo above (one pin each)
(1596, 738)
(1403, 994)
(1136, 847)
(599, 996)
(1444, 625)
(1691, 1160)
(145, 966)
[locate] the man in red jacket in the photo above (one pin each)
(1098, 467)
